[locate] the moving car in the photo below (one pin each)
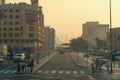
(102, 60)
(19, 56)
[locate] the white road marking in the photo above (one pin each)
(82, 72)
(60, 72)
(2, 71)
(7, 71)
(39, 71)
(67, 72)
(75, 72)
(53, 72)
(14, 71)
(46, 71)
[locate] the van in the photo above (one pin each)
(19, 56)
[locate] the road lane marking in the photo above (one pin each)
(67, 72)
(14, 71)
(75, 72)
(60, 72)
(7, 71)
(46, 71)
(53, 72)
(82, 72)
(40, 71)
(2, 71)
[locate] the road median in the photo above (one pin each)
(43, 61)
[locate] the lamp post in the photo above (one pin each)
(111, 70)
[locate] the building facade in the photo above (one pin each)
(22, 25)
(93, 30)
(115, 39)
(49, 38)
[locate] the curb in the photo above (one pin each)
(91, 78)
(43, 61)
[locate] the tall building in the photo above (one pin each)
(93, 30)
(115, 39)
(49, 38)
(2, 2)
(22, 25)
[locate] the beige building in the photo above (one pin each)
(93, 30)
(22, 24)
(115, 39)
(49, 38)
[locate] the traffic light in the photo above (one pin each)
(113, 57)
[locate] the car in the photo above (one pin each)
(2, 57)
(85, 55)
(102, 60)
(19, 56)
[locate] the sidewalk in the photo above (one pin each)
(43, 61)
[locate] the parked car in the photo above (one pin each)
(2, 57)
(18, 56)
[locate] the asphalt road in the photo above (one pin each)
(61, 67)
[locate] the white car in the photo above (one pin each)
(19, 56)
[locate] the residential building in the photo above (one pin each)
(22, 25)
(49, 38)
(115, 39)
(93, 30)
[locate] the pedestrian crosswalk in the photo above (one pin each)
(47, 71)
(59, 72)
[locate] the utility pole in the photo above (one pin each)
(111, 55)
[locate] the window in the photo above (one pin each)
(31, 35)
(11, 17)
(16, 29)
(17, 16)
(31, 23)
(31, 28)
(17, 41)
(10, 29)
(5, 23)
(5, 10)
(17, 10)
(21, 28)
(5, 16)
(10, 34)
(10, 23)
(4, 35)
(0, 10)
(17, 22)
(16, 34)
(4, 29)
(10, 10)
(0, 35)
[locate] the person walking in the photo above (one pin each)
(18, 64)
(108, 66)
(92, 66)
(31, 65)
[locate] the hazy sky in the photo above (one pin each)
(67, 16)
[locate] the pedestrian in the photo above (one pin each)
(92, 66)
(23, 64)
(100, 65)
(108, 66)
(31, 65)
(18, 64)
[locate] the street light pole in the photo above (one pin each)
(110, 36)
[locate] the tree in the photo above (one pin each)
(78, 44)
(100, 43)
